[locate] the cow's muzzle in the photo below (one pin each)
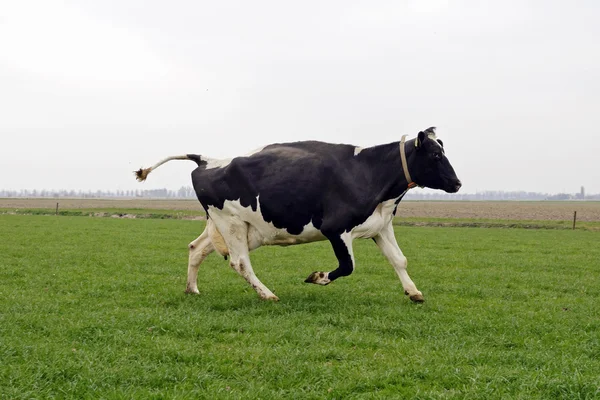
(454, 187)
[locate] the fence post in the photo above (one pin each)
(574, 219)
(56, 208)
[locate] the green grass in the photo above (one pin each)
(94, 308)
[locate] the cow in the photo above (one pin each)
(293, 193)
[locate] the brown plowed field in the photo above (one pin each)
(551, 211)
(513, 210)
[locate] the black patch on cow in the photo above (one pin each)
(197, 159)
(396, 204)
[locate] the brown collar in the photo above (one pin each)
(411, 184)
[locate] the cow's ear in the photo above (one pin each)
(420, 139)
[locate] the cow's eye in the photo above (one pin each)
(437, 156)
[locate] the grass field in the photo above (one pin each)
(94, 308)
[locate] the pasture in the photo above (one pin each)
(560, 211)
(94, 308)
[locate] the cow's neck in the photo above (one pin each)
(387, 176)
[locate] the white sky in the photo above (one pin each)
(91, 90)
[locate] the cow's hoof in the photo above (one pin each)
(270, 298)
(319, 278)
(417, 298)
(191, 291)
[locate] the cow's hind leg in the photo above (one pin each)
(235, 234)
(342, 247)
(386, 240)
(199, 250)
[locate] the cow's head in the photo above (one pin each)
(430, 167)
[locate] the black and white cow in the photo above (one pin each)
(293, 193)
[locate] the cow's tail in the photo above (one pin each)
(142, 173)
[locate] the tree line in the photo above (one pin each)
(187, 192)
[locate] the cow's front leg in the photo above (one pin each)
(386, 240)
(342, 247)
(199, 250)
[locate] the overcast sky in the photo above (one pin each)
(91, 90)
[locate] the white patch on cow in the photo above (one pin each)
(357, 150)
(214, 163)
(381, 216)
(216, 238)
(347, 238)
